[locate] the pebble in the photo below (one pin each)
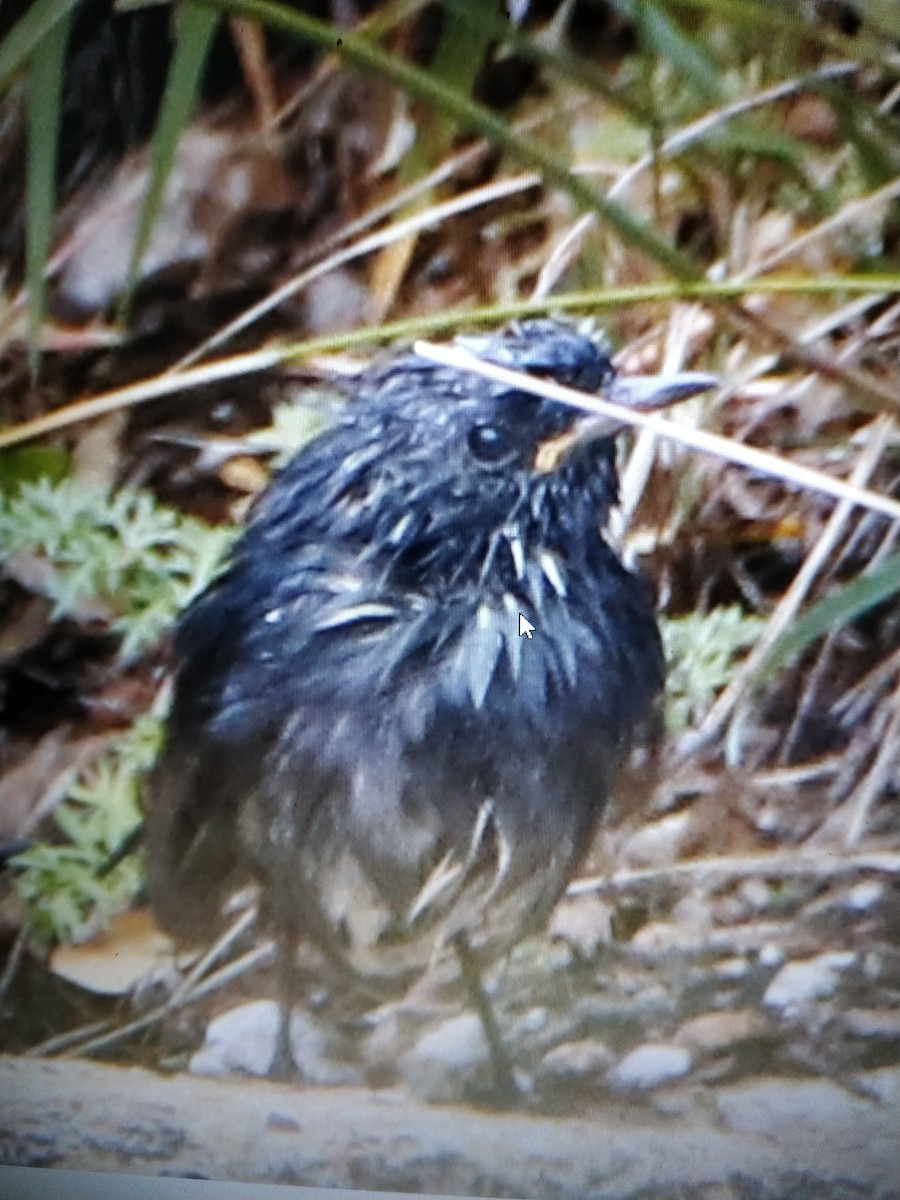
(658, 843)
(449, 1061)
(658, 938)
(529, 1025)
(730, 969)
(584, 923)
(649, 1066)
(242, 1041)
(652, 1003)
(717, 1032)
(582, 1062)
(771, 955)
(799, 983)
(872, 1023)
(864, 896)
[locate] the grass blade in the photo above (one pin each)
(44, 91)
(195, 25)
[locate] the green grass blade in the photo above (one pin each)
(555, 59)
(44, 91)
(195, 25)
(836, 610)
(661, 36)
(28, 33)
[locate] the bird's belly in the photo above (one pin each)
(468, 831)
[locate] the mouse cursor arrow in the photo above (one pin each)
(526, 629)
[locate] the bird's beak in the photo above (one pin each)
(642, 393)
(649, 392)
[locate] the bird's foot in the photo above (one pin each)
(507, 1091)
(283, 1066)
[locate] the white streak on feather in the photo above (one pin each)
(551, 568)
(513, 642)
(368, 611)
(448, 872)
(516, 551)
(439, 879)
(395, 537)
(484, 815)
(478, 652)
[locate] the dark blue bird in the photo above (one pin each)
(357, 725)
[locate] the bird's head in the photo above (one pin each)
(441, 475)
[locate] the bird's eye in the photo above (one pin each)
(490, 443)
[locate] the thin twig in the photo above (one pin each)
(215, 952)
(12, 963)
(860, 804)
(103, 1034)
(568, 247)
(740, 688)
(695, 439)
(782, 864)
(63, 1042)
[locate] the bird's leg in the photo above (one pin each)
(507, 1089)
(283, 1064)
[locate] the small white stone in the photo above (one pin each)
(531, 1022)
(660, 937)
(756, 894)
(649, 1066)
(584, 922)
(447, 1060)
(242, 1041)
(718, 1032)
(771, 955)
(865, 895)
(575, 1062)
(873, 1023)
(767, 821)
(732, 968)
(799, 983)
(873, 965)
(658, 843)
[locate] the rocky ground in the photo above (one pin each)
(743, 1041)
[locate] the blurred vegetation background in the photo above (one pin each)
(208, 210)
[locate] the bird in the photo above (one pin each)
(357, 726)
